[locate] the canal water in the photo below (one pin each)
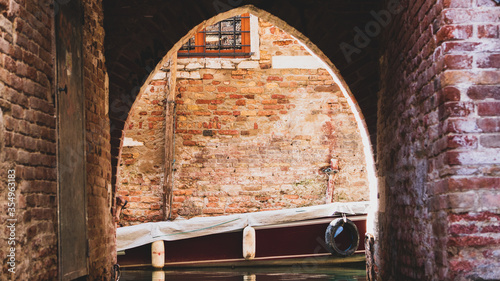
(357, 273)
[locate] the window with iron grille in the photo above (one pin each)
(227, 38)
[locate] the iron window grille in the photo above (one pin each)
(226, 38)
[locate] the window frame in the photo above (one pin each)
(201, 51)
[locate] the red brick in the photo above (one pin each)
(460, 266)
(449, 94)
(488, 31)
(473, 183)
(277, 97)
(234, 96)
(489, 61)
(472, 241)
(489, 125)
(454, 32)
(458, 61)
(462, 141)
(241, 102)
(481, 92)
(207, 76)
(459, 229)
(489, 109)
(274, 78)
(490, 228)
(482, 216)
(189, 143)
(203, 101)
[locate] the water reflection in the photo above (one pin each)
(249, 274)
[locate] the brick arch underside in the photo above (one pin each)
(138, 36)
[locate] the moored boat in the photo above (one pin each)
(324, 234)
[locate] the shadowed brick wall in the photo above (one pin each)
(100, 196)
(248, 137)
(28, 140)
(438, 142)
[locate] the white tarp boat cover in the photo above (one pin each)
(138, 235)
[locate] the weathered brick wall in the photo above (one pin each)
(438, 142)
(100, 197)
(276, 42)
(141, 178)
(248, 137)
(257, 139)
(141, 171)
(28, 140)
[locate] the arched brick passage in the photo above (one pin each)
(437, 127)
(139, 34)
(142, 158)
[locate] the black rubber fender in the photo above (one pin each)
(345, 231)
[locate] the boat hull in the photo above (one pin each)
(285, 244)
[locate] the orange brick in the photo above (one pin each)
(226, 89)
(252, 90)
(269, 101)
(202, 113)
(197, 89)
(266, 113)
(228, 132)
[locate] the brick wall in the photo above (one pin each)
(27, 145)
(100, 196)
(141, 171)
(28, 140)
(248, 137)
(438, 143)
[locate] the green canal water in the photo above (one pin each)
(299, 272)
